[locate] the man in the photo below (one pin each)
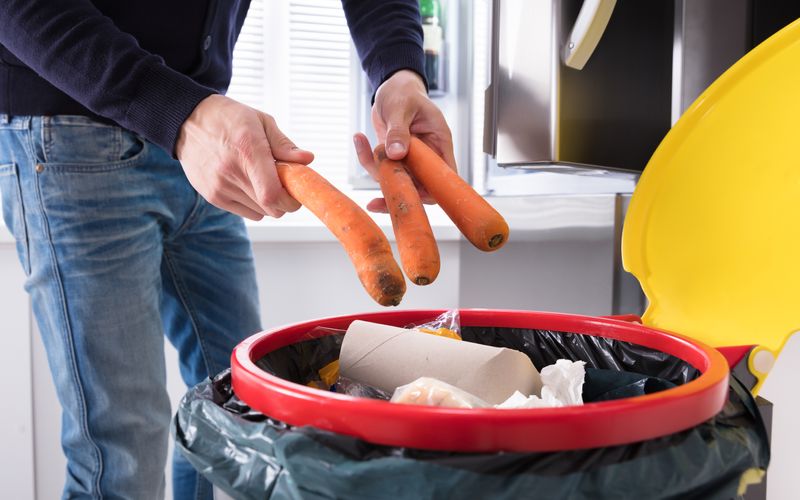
(112, 120)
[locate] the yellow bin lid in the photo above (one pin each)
(713, 229)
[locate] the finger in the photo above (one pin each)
(378, 205)
(378, 124)
(281, 199)
(285, 201)
(247, 198)
(267, 189)
(397, 133)
(281, 146)
(425, 196)
(448, 155)
(227, 195)
(277, 214)
(241, 210)
(290, 205)
(365, 155)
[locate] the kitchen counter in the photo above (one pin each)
(531, 218)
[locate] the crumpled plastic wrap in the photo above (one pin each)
(562, 386)
(251, 456)
(447, 324)
(434, 392)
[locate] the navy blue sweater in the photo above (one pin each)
(146, 64)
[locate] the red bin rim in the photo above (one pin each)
(592, 425)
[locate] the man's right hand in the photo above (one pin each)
(228, 152)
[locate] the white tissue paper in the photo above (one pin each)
(519, 400)
(564, 380)
(562, 385)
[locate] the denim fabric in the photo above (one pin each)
(119, 250)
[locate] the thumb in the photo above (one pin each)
(398, 136)
(281, 146)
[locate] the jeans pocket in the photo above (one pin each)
(80, 144)
(14, 211)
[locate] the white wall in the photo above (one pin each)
(299, 281)
(16, 395)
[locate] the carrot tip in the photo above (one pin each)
(496, 241)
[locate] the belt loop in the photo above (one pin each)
(36, 129)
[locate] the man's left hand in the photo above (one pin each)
(402, 108)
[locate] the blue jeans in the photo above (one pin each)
(120, 250)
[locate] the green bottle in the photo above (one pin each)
(432, 40)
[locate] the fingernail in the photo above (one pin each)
(356, 143)
(396, 148)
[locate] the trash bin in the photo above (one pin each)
(250, 455)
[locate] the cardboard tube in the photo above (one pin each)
(387, 357)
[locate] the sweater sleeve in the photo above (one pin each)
(387, 35)
(71, 44)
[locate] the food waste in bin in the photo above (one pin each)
(415, 367)
(388, 357)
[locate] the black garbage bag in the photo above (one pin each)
(251, 456)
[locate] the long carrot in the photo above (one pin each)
(419, 254)
(483, 226)
(362, 239)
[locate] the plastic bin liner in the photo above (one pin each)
(251, 456)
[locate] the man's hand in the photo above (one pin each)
(228, 151)
(402, 108)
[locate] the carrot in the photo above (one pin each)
(419, 254)
(362, 239)
(482, 225)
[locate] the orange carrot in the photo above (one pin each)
(483, 226)
(418, 251)
(362, 239)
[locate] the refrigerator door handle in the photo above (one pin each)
(587, 31)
